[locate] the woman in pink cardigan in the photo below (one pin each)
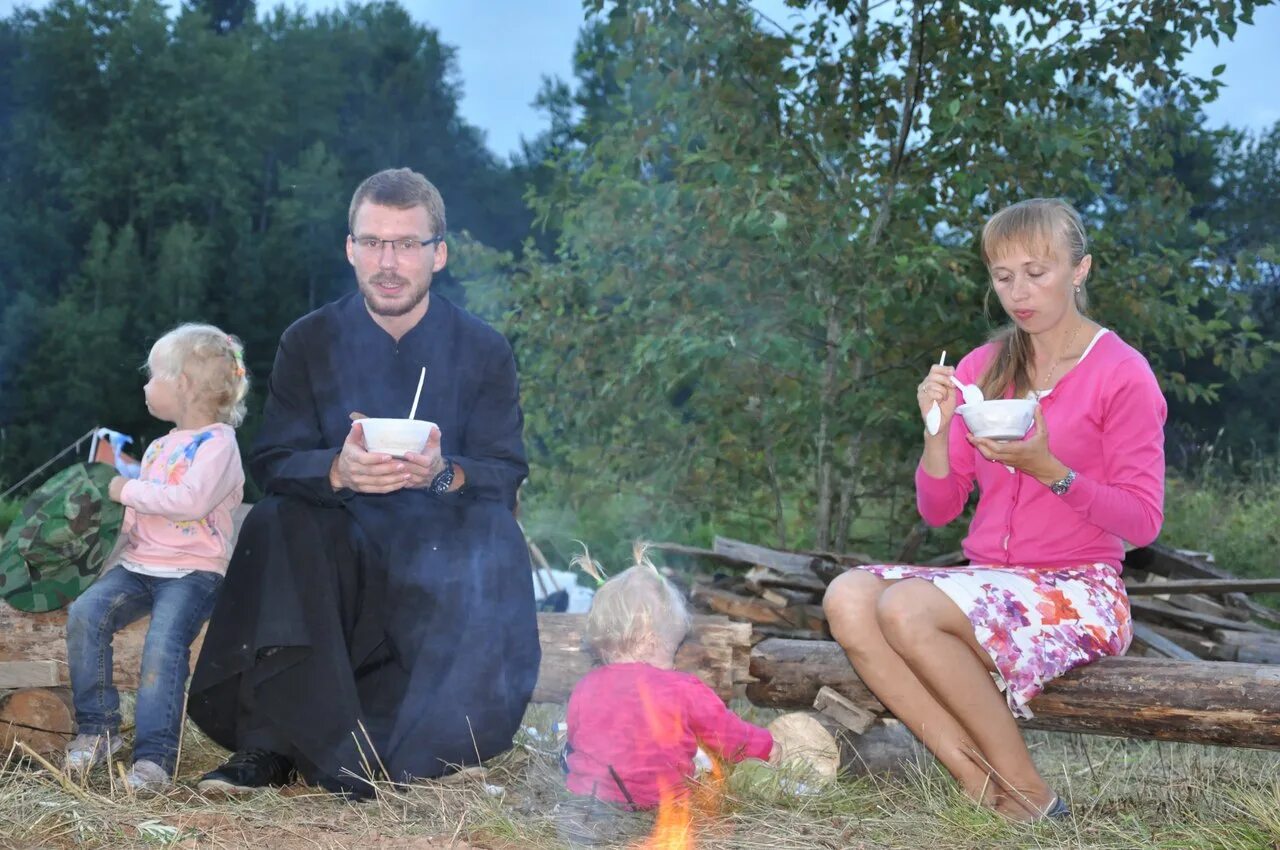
(1042, 593)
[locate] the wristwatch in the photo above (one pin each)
(443, 480)
(1063, 484)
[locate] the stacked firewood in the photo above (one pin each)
(1183, 605)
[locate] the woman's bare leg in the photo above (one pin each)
(935, 639)
(850, 605)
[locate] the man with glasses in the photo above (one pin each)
(377, 616)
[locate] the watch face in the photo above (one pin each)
(444, 480)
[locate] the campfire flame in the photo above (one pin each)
(673, 825)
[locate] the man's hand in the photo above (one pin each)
(366, 472)
(1031, 455)
(116, 487)
(424, 467)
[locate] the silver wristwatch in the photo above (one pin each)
(1063, 484)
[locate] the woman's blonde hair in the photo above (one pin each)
(635, 609)
(212, 360)
(1041, 226)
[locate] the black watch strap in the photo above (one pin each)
(444, 479)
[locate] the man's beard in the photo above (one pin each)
(398, 308)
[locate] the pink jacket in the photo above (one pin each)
(178, 511)
(1106, 421)
(634, 724)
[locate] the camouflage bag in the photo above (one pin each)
(58, 544)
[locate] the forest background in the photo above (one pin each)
(724, 264)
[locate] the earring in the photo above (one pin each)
(1077, 290)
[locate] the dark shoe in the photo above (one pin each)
(1057, 810)
(247, 771)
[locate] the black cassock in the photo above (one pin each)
(395, 632)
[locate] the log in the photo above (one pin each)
(789, 674)
(774, 559)
(1148, 636)
(695, 552)
(42, 638)
(759, 578)
(1166, 561)
(1260, 653)
(1201, 702)
(754, 610)
(28, 674)
(1207, 585)
(1205, 605)
(1242, 638)
(717, 650)
(849, 715)
(1194, 642)
(1164, 613)
(41, 718)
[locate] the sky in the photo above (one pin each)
(505, 48)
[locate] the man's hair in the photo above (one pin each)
(402, 188)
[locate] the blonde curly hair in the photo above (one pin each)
(635, 612)
(212, 360)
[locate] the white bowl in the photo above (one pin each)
(999, 419)
(396, 437)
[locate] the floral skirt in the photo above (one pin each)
(1036, 624)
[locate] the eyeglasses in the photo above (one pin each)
(407, 249)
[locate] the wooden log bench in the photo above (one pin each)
(1203, 702)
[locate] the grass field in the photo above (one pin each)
(1125, 795)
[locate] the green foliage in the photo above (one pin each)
(162, 166)
(767, 236)
(9, 510)
(1231, 517)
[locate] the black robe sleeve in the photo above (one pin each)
(290, 456)
(493, 455)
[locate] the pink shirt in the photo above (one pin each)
(1106, 421)
(178, 511)
(647, 724)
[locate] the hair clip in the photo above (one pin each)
(237, 356)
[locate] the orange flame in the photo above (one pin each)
(673, 825)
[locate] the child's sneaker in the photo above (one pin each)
(85, 751)
(147, 776)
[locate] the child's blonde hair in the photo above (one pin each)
(212, 360)
(635, 607)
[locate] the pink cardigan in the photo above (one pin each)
(178, 511)
(1106, 421)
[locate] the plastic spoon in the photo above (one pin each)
(413, 411)
(933, 419)
(972, 392)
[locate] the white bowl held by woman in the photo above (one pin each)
(396, 437)
(999, 419)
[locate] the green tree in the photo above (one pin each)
(774, 234)
(160, 166)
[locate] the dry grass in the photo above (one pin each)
(1126, 795)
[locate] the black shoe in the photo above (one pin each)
(1057, 810)
(247, 771)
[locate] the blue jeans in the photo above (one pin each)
(178, 607)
